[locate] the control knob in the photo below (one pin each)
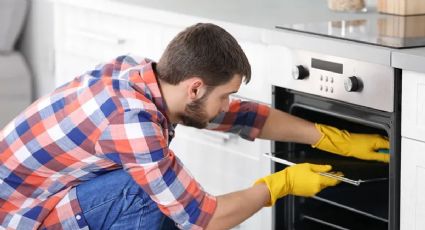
(352, 84)
(299, 72)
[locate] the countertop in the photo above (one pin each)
(409, 59)
(264, 16)
(255, 13)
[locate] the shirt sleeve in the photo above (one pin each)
(136, 140)
(243, 117)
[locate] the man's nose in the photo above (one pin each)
(225, 107)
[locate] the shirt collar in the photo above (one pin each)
(147, 82)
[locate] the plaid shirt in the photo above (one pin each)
(108, 118)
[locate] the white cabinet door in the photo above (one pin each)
(224, 163)
(413, 105)
(412, 206)
(412, 200)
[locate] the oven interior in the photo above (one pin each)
(344, 206)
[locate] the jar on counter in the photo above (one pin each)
(347, 5)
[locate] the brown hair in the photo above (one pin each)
(206, 51)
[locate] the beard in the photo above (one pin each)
(195, 114)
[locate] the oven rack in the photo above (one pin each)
(331, 216)
(359, 199)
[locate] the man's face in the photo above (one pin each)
(201, 111)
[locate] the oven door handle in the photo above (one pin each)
(289, 163)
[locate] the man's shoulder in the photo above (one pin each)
(126, 61)
(117, 66)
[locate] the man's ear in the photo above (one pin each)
(196, 88)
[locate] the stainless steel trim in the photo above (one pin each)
(377, 81)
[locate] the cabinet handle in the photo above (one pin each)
(217, 134)
(99, 37)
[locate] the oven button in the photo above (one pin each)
(352, 84)
(331, 90)
(321, 87)
(299, 72)
(326, 89)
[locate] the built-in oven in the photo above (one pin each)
(361, 98)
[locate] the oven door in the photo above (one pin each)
(372, 204)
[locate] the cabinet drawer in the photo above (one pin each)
(85, 37)
(70, 65)
(412, 200)
(413, 105)
(102, 35)
(221, 162)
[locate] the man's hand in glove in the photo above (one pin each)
(362, 146)
(299, 180)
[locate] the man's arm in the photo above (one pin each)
(235, 207)
(252, 120)
(299, 180)
(281, 126)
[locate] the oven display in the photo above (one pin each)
(326, 65)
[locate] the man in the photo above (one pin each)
(94, 153)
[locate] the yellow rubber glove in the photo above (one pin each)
(300, 180)
(362, 146)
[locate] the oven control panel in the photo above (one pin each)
(347, 80)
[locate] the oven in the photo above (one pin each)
(352, 95)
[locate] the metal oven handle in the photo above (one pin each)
(289, 163)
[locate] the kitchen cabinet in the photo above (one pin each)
(224, 163)
(412, 206)
(86, 35)
(412, 199)
(413, 105)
